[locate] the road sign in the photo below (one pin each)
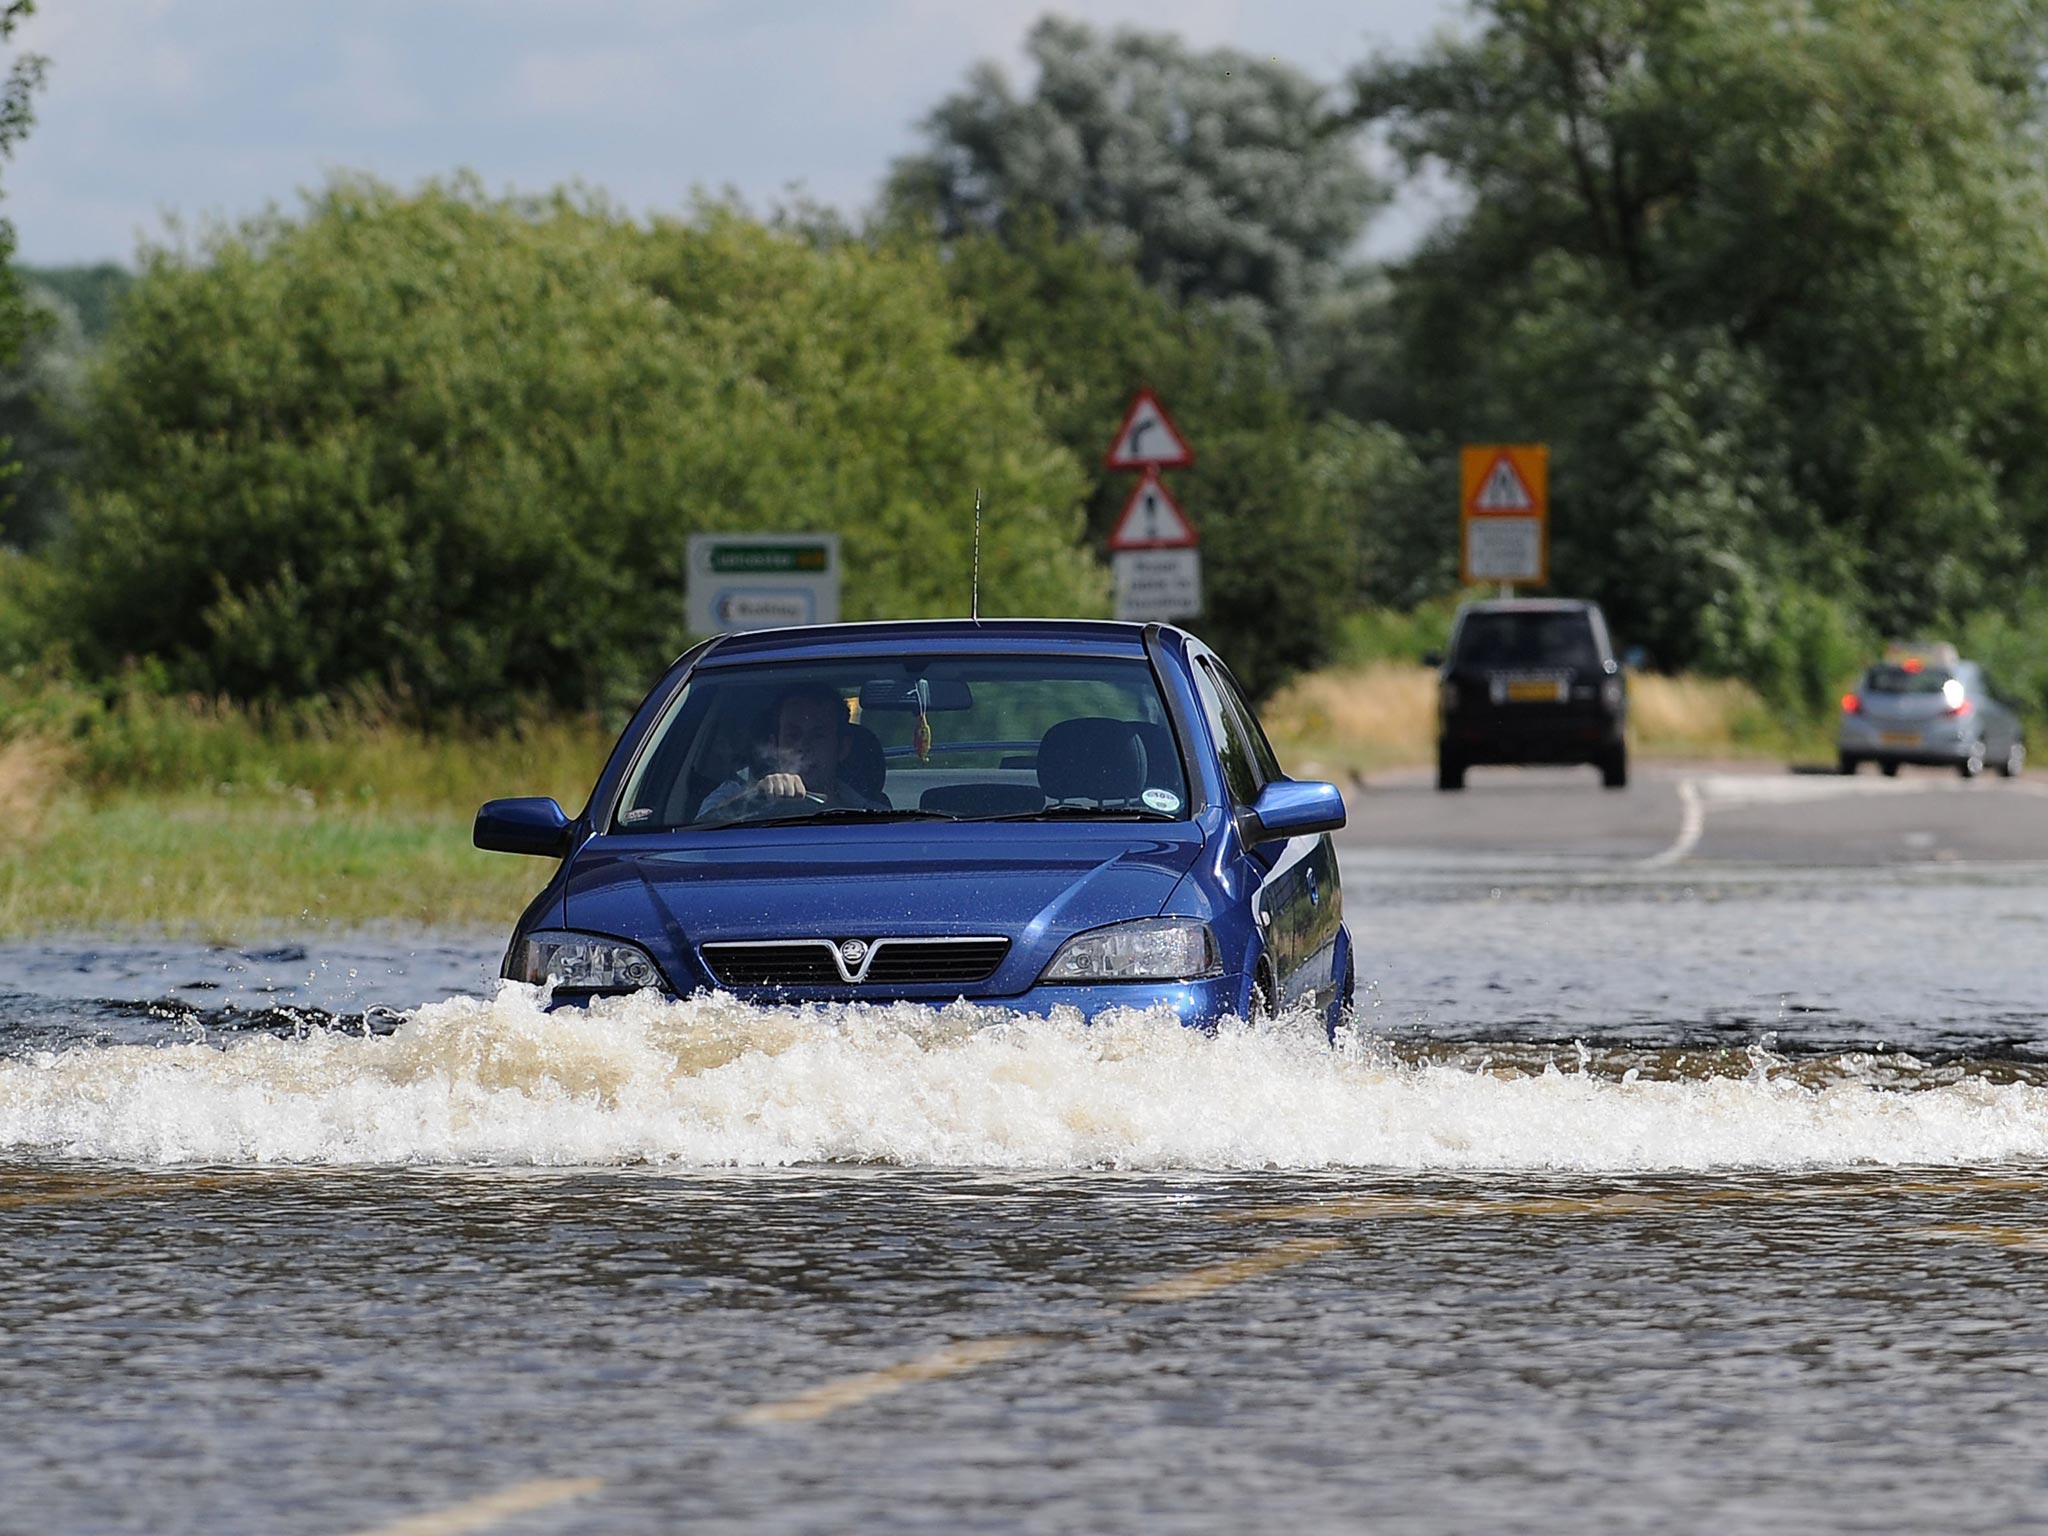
(1152, 519)
(1148, 439)
(1504, 513)
(1156, 584)
(762, 581)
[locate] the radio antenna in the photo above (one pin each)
(974, 596)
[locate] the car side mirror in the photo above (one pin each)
(1432, 658)
(1294, 808)
(529, 825)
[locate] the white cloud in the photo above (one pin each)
(223, 105)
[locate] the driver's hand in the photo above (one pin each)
(781, 786)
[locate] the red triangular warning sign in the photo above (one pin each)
(1148, 439)
(1152, 520)
(1504, 489)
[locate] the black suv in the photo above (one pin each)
(1531, 681)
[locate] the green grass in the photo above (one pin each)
(223, 870)
(145, 811)
(189, 815)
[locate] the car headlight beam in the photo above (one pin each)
(584, 962)
(1149, 949)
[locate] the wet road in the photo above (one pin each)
(1690, 1171)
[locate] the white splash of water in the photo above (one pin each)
(714, 1082)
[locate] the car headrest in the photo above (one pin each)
(863, 767)
(1093, 758)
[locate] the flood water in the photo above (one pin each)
(1709, 1199)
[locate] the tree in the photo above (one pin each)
(40, 398)
(450, 447)
(1277, 497)
(23, 79)
(1764, 272)
(1217, 173)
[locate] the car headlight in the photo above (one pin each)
(1447, 695)
(583, 962)
(1149, 949)
(1611, 693)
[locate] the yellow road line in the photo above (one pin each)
(852, 1391)
(2023, 1238)
(1623, 1204)
(112, 1191)
(506, 1504)
(1214, 1277)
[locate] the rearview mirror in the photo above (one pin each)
(900, 695)
(1290, 808)
(528, 825)
(1432, 658)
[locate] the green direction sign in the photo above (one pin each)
(762, 581)
(756, 559)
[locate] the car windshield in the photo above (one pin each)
(1504, 641)
(954, 737)
(1906, 678)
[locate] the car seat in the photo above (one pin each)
(1092, 758)
(864, 767)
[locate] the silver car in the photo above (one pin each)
(1929, 707)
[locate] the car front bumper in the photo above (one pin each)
(1198, 1004)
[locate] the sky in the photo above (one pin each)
(199, 109)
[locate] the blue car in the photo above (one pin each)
(1028, 814)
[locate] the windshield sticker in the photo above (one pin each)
(1161, 799)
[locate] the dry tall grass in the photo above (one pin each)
(1360, 719)
(1354, 719)
(31, 774)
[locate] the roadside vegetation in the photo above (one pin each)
(133, 808)
(323, 523)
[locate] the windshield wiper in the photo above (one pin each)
(1084, 813)
(840, 813)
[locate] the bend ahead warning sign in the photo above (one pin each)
(1504, 514)
(1148, 439)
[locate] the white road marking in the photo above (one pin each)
(1729, 790)
(492, 1508)
(1691, 823)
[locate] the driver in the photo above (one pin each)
(808, 744)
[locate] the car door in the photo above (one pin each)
(1296, 878)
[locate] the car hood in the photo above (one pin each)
(1036, 884)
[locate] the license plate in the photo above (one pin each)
(1900, 738)
(1545, 691)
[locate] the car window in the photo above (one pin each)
(1264, 758)
(1233, 741)
(1503, 640)
(967, 737)
(1906, 678)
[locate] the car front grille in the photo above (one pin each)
(885, 963)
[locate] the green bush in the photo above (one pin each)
(449, 449)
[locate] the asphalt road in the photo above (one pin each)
(1674, 814)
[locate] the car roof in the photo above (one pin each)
(1530, 605)
(824, 642)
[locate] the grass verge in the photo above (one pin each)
(1359, 720)
(190, 816)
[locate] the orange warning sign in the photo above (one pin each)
(1504, 513)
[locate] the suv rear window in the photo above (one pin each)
(1508, 641)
